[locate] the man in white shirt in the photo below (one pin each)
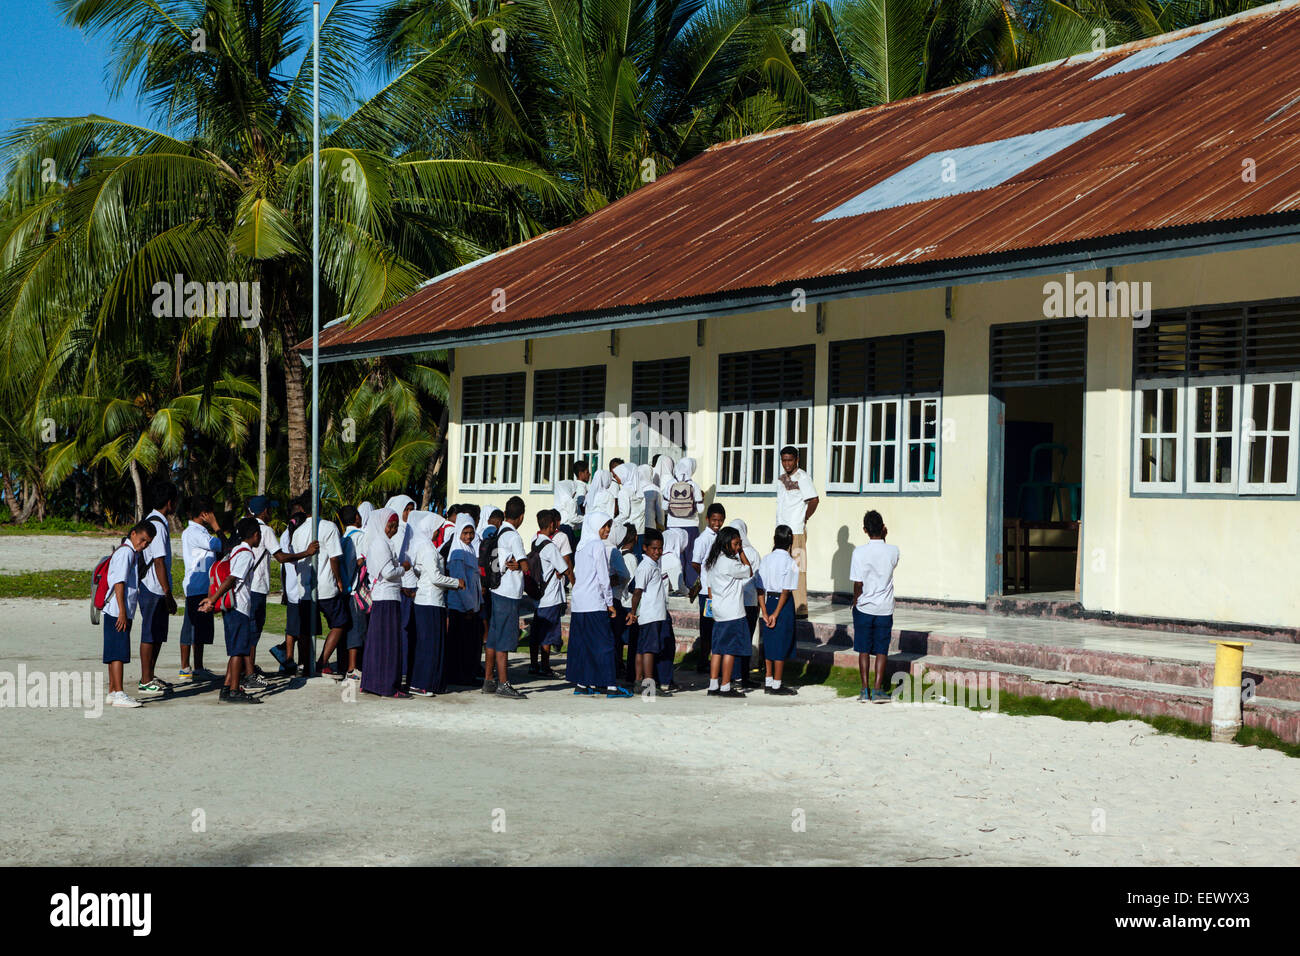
(872, 572)
(200, 546)
(544, 631)
(260, 507)
(237, 620)
(503, 628)
(796, 500)
(331, 595)
(714, 518)
(156, 601)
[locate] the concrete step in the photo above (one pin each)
(1135, 666)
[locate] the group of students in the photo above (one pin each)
(416, 602)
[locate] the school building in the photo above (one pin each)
(1048, 323)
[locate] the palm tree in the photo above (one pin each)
(226, 197)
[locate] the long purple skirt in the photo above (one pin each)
(385, 650)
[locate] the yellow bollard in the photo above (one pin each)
(1225, 716)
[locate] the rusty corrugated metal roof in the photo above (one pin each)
(743, 215)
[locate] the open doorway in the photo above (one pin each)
(1036, 459)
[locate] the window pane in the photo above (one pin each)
(1257, 468)
(1281, 457)
(1282, 406)
(1149, 398)
(1168, 410)
(891, 465)
(1224, 411)
(1223, 460)
(1168, 460)
(1204, 401)
(1202, 453)
(1149, 459)
(1259, 409)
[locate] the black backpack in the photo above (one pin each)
(487, 563)
(534, 581)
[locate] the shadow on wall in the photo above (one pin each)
(842, 560)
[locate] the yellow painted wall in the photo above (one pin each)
(1202, 559)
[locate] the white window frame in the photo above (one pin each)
(587, 440)
(543, 454)
(741, 448)
(769, 449)
(471, 434)
(1189, 435)
(1177, 385)
(884, 401)
(492, 458)
(906, 442)
(1248, 434)
(805, 447)
(840, 441)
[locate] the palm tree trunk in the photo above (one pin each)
(261, 428)
(295, 400)
(15, 508)
(139, 491)
(435, 461)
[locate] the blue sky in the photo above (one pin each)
(49, 69)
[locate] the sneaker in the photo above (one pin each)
(258, 672)
(508, 690)
(353, 675)
(782, 691)
(324, 670)
(225, 692)
(239, 697)
(864, 697)
(663, 692)
(119, 699)
(277, 651)
(734, 692)
(880, 696)
(186, 673)
(489, 686)
(287, 670)
(619, 692)
(154, 686)
(715, 692)
(256, 681)
(401, 695)
(421, 692)
(584, 692)
(202, 673)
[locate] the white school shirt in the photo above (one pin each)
(631, 508)
(262, 572)
(510, 545)
(464, 566)
(241, 562)
(654, 508)
(751, 586)
(435, 582)
(727, 579)
(385, 580)
(873, 564)
(294, 590)
(554, 568)
(199, 550)
(124, 566)
(352, 541)
(603, 501)
(700, 551)
(331, 546)
(591, 591)
(694, 520)
(792, 503)
(159, 547)
(651, 580)
(778, 572)
(569, 490)
(406, 552)
(563, 545)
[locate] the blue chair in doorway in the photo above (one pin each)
(1044, 489)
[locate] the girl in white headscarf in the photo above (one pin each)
(675, 543)
(385, 650)
(600, 494)
(751, 599)
(590, 663)
(428, 611)
(631, 501)
(663, 472)
(654, 510)
(464, 646)
(364, 511)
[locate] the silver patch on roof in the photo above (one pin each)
(1157, 54)
(966, 169)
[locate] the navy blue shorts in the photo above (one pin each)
(656, 638)
(259, 616)
(335, 610)
(198, 627)
(871, 632)
(117, 644)
(545, 629)
(296, 618)
(239, 633)
(732, 637)
(153, 618)
(357, 632)
(503, 626)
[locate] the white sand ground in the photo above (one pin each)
(307, 778)
(50, 552)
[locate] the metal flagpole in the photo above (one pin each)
(315, 321)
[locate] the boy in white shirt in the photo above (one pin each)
(503, 628)
(156, 601)
(325, 570)
(120, 608)
(700, 551)
(649, 613)
(200, 546)
(872, 573)
(259, 507)
(796, 500)
(238, 621)
(353, 558)
(544, 631)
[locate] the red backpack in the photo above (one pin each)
(99, 580)
(220, 573)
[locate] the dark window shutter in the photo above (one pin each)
(924, 369)
(492, 397)
(1214, 341)
(847, 374)
(1160, 349)
(662, 386)
(546, 393)
(569, 392)
(1273, 337)
(768, 376)
(1039, 353)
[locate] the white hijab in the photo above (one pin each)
(684, 469)
(487, 512)
(600, 481)
(591, 525)
(645, 476)
(364, 510)
(663, 472)
(463, 521)
(750, 551)
(628, 477)
(378, 546)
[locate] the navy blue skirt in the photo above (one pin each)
(428, 653)
(778, 642)
(656, 638)
(591, 650)
(385, 650)
(731, 637)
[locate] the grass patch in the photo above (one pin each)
(56, 526)
(63, 584)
